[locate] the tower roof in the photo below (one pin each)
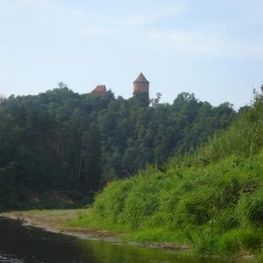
(99, 90)
(141, 79)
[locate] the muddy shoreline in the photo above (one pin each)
(57, 221)
(58, 226)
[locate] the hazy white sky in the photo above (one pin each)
(213, 48)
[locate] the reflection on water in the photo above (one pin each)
(30, 245)
(9, 259)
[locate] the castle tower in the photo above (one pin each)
(100, 90)
(141, 85)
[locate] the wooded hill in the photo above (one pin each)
(66, 142)
(210, 200)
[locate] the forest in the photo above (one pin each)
(61, 143)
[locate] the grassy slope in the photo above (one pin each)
(212, 201)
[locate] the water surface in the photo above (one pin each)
(19, 243)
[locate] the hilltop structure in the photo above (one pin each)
(100, 90)
(141, 85)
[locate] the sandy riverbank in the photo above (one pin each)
(57, 221)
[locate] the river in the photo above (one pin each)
(26, 244)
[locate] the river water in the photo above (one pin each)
(20, 243)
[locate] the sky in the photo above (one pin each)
(212, 48)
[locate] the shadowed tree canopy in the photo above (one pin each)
(63, 141)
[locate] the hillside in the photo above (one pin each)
(59, 146)
(211, 200)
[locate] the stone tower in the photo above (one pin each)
(141, 85)
(100, 90)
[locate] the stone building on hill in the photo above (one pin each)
(100, 90)
(141, 85)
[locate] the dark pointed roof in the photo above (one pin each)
(141, 79)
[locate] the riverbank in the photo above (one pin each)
(62, 221)
(20, 244)
(58, 221)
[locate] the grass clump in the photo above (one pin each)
(241, 239)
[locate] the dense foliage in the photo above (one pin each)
(211, 200)
(62, 141)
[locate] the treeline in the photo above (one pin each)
(63, 141)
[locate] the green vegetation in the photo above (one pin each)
(211, 200)
(59, 146)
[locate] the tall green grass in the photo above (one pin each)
(211, 200)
